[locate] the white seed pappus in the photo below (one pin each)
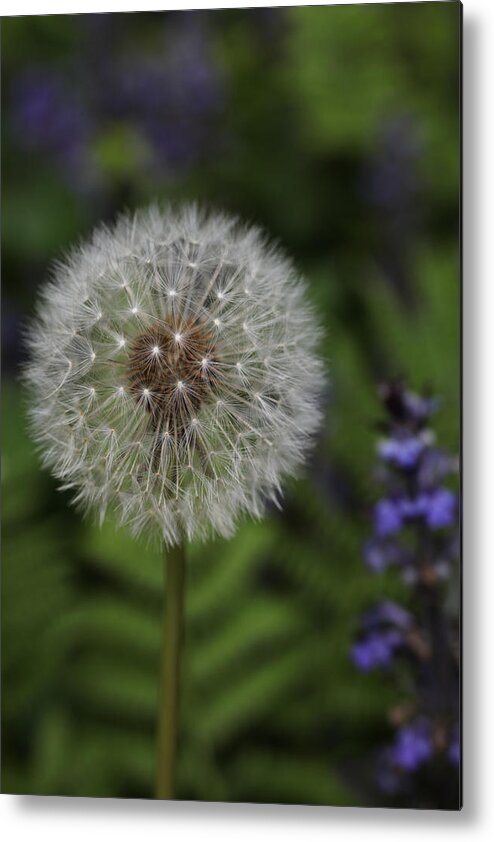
(173, 372)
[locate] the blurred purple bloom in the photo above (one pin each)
(388, 778)
(174, 96)
(418, 407)
(403, 452)
(375, 556)
(454, 748)
(437, 507)
(376, 650)
(171, 97)
(47, 117)
(406, 407)
(391, 180)
(378, 555)
(412, 507)
(387, 517)
(196, 74)
(440, 508)
(413, 745)
(388, 612)
(434, 466)
(384, 625)
(393, 187)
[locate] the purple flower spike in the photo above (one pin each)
(416, 532)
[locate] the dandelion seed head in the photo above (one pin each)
(202, 430)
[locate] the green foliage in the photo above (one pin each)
(368, 61)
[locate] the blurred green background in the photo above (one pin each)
(336, 129)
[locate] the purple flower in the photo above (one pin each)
(170, 98)
(47, 117)
(173, 97)
(412, 507)
(440, 509)
(454, 747)
(413, 745)
(376, 556)
(379, 554)
(434, 466)
(402, 452)
(418, 407)
(406, 408)
(376, 650)
(388, 612)
(437, 507)
(388, 777)
(391, 179)
(387, 517)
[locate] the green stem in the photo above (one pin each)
(170, 672)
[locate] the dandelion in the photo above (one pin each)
(161, 388)
(174, 381)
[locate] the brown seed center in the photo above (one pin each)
(172, 371)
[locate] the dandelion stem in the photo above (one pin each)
(168, 713)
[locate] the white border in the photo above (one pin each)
(52, 7)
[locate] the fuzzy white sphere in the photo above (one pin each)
(173, 372)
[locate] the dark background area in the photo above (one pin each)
(337, 130)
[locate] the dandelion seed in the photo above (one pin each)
(179, 401)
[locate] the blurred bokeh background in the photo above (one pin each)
(336, 129)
